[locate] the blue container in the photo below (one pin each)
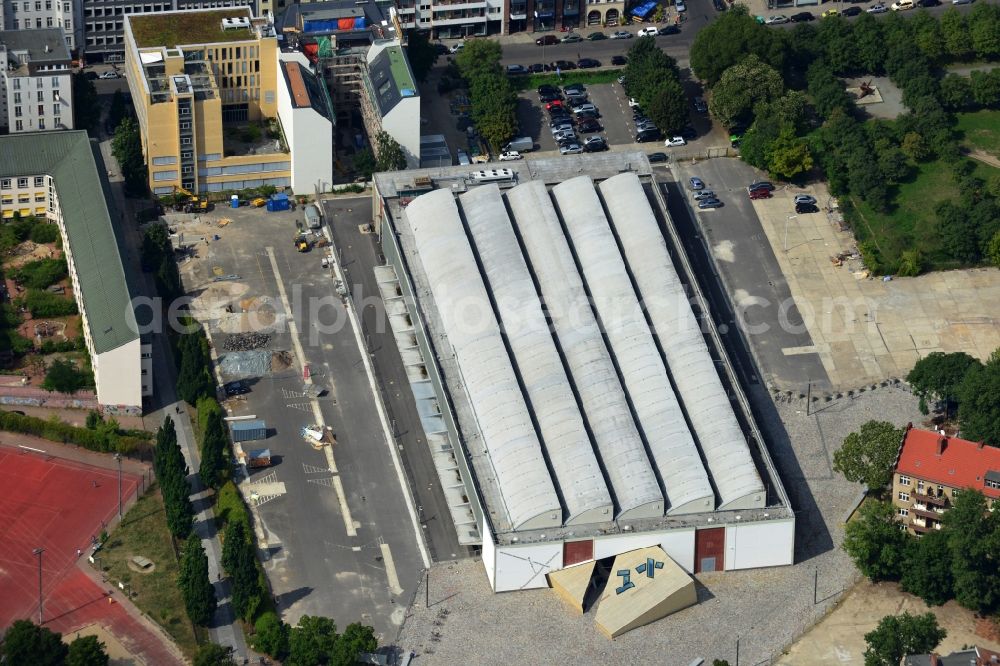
(234, 201)
(247, 431)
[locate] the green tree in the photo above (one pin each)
(27, 644)
(789, 156)
(86, 109)
(211, 654)
(899, 635)
(978, 407)
(986, 88)
(956, 92)
(356, 639)
(728, 39)
(974, 537)
(743, 86)
(240, 562)
(390, 154)
(193, 378)
(479, 57)
(312, 641)
(867, 456)
(875, 542)
(927, 573)
(87, 651)
(668, 106)
(118, 110)
(993, 248)
(171, 473)
(911, 263)
(126, 146)
(364, 163)
(938, 376)
(199, 595)
(869, 44)
(955, 31)
(271, 635)
(984, 31)
(63, 376)
(420, 53)
(915, 147)
(214, 451)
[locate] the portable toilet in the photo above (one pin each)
(234, 201)
(278, 202)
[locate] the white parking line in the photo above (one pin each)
(390, 569)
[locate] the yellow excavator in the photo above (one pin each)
(193, 204)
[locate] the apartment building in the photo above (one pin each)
(37, 14)
(457, 19)
(204, 83)
(307, 122)
(35, 80)
(391, 101)
(933, 469)
(60, 176)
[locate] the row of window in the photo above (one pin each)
(40, 96)
(41, 111)
(905, 481)
(67, 24)
(23, 198)
(26, 6)
(39, 82)
(6, 183)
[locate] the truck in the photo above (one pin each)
(521, 144)
(314, 219)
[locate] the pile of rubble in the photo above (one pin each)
(246, 341)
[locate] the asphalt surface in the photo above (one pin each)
(765, 318)
(359, 256)
(324, 550)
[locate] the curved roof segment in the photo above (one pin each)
(515, 453)
(693, 369)
(550, 396)
(632, 480)
(659, 414)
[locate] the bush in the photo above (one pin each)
(57, 431)
(42, 273)
(44, 232)
(57, 346)
(43, 304)
(229, 506)
(63, 376)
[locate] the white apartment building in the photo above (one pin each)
(36, 81)
(391, 100)
(307, 121)
(59, 176)
(37, 14)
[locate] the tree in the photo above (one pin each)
(956, 92)
(356, 639)
(390, 154)
(63, 376)
(271, 635)
(27, 644)
(867, 456)
(938, 376)
(193, 378)
(743, 86)
(126, 146)
(420, 53)
(118, 110)
(984, 31)
(211, 654)
(171, 472)
(199, 595)
(668, 106)
(955, 31)
(973, 536)
(727, 41)
(240, 562)
(789, 155)
(927, 573)
(875, 542)
(911, 263)
(978, 407)
(986, 87)
(312, 641)
(915, 147)
(87, 651)
(86, 110)
(993, 247)
(364, 163)
(899, 635)
(214, 445)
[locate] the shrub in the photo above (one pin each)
(44, 304)
(63, 376)
(57, 431)
(229, 506)
(44, 232)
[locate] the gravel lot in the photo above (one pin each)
(766, 609)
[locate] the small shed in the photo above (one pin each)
(278, 202)
(259, 458)
(247, 431)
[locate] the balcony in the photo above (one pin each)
(924, 525)
(928, 499)
(926, 513)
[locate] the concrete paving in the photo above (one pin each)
(839, 638)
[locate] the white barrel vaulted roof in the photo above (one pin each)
(694, 371)
(629, 472)
(550, 396)
(660, 417)
(515, 453)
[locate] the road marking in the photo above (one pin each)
(390, 569)
(293, 329)
(390, 440)
(795, 351)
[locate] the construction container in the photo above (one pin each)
(247, 431)
(278, 202)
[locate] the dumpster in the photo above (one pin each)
(278, 202)
(247, 431)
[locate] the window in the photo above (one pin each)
(39, 197)
(904, 497)
(904, 480)
(5, 184)
(17, 98)
(69, 25)
(38, 6)
(991, 483)
(55, 109)
(55, 80)
(58, 121)
(19, 125)
(22, 182)
(920, 486)
(66, 7)
(41, 123)
(903, 512)
(41, 109)
(17, 24)
(17, 84)
(39, 83)
(48, 5)
(48, 21)
(39, 181)
(17, 112)
(954, 493)
(38, 23)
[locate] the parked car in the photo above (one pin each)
(689, 132)
(760, 185)
(547, 88)
(709, 203)
(619, 60)
(92, 76)
(457, 47)
(929, 3)
(575, 94)
(777, 19)
(801, 17)
(585, 107)
(675, 141)
(701, 195)
(595, 144)
(547, 40)
(588, 63)
(596, 36)
(760, 194)
(854, 11)
(699, 105)
(961, 2)
(575, 86)
(830, 12)
(621, 34)
(696, 183)
(238, 387)
(646, 125)
(805, 208)
(656, 158)
(878, 8)
(554, 104)
(572, 38)
(536, 68)
(902, 5)
(804, 199)
(563, 133)
(513, 70)
(565, 64)
(571, 149)
(110, 74)
(633, 102)
(548, 97)
(651, 31)
(510, 156)
(642, 136)
(680, 6)
(669, 30)
(567, 141)
(590, 126)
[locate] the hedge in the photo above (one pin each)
(229, 506)
(57, 431)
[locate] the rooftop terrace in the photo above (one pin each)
(170, 29)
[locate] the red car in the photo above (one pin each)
(554, 104)
(760, 194)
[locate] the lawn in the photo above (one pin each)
(532, 81)
(981, 130)
(912, 222)
(144, 532)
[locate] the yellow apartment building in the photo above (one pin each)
(204, 85)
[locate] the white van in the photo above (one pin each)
(902, 5)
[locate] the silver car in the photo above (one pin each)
(571, 149)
